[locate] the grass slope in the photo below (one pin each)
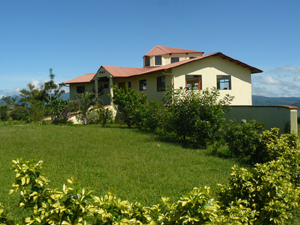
(141, 167)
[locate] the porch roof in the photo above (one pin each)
(82, 79)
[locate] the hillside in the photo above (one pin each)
(261, 100)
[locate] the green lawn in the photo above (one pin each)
(141, 167)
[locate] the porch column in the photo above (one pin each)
(96, 88)
(111, 91)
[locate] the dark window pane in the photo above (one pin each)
(143, 85)
(158, 60)
(175, 59)
(147, 61)
(80, 89)
(161, 83)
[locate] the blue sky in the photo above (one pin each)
(75, 37)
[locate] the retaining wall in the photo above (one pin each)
(283, 117)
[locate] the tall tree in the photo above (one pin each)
(52, 90)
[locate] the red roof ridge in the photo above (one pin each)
(162, 50)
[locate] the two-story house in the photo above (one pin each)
(164, 66)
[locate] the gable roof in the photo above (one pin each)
(117, 71)
(163, 50)
(82, 79)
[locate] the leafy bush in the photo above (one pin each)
(243, 141)
(274, 146)
(249, 146)
(266, 190)
(105, 116)
(36, 111)
(19, 113)
(75, 205)
(3, 113)
(128, 101)
(197, 115)
(151, 116)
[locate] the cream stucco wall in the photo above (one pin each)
(166, 59)
(73, 88)
(151, 80)
(209, 68)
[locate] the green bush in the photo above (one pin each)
(197, 115)
(75, 205)
(274, 146)
(128, 101)
(151, 116)
(3, 113)
(243, 141)
(105, 116)
(36, 112)
(267, 189)
(19, 113)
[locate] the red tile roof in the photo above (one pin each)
(163, 50)
(117, 71)
(82, 79)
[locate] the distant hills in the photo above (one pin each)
(261, 100)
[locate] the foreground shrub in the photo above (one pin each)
(274, 146)
(197, 115)
(243, 141)
(77, 206)
(267, 189)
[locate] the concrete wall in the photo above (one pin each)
(209, 68)
(271, 116)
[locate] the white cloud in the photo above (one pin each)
(291, 69)
(263, 91)
(267, 79)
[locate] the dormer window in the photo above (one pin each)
(147, 61)
(174, 59)
(158, 60)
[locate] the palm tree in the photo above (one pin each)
(85, 101)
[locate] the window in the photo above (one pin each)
(192, 57)
(224, 82)
(158, 60)
(129, 84)
(122, 85)
(147, 61)
(193, 82)
(161, 83)
(143, 85)
(174, 59)
(80, 89)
